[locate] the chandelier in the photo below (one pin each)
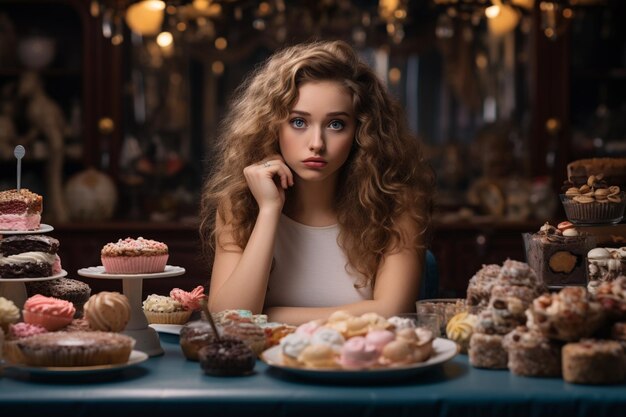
(200, 20)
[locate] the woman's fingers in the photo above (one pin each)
(279, 168)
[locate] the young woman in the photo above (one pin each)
(320, 199)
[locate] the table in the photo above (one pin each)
(169, 386)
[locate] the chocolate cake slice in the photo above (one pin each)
(29, 256)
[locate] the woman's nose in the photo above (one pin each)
(317, 141)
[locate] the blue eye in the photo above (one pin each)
(336, 125)
(298, 123)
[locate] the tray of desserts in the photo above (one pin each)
(99, 272)
(443, 351)
(43, 228)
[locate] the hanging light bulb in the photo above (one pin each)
(145, 17)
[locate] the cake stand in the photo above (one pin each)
(147, 339)
(14, 289)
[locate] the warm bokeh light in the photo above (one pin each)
(165, 39)
(145, 17)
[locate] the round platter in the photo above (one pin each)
(136, 357)
(51, 277)
(98, 272)
(43, 228)
(444, 351)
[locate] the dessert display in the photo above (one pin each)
(107, 311)
(75, 291)
(226, 357)
(20, 210)
(512, 292)
(612, 169)
(594, 362)
(605, 264)
(249, 333)
(347, 342)
(29, 256)
(160, 309)
(443, 308)
(569, 315)
(76, 349)
(48, 312)
(558, 254)
(532, 354)
(594, 202)
(134, 256)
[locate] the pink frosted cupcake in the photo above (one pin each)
(134, 256)
(51, 313)
(190, 300)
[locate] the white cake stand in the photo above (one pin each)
(14, 289)
(147, 339)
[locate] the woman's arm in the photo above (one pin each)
(395, 291)
(239, 277)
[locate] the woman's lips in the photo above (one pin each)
(314, 163)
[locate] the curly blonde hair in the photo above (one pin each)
(384, 178)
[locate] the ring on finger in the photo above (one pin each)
(266, 164)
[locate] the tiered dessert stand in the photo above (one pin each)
(14, 289)
(147, 339)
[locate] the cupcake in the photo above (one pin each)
(160, 309)
(594, 202)
(9, 313)
(249, 333)
(190, 300)
(227, 357)
(17, 332)
(76, 349)
(194, 336)
(49, 312)
(134, 256)
(72, 290)
(108, 311)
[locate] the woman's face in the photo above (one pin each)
(316, 139)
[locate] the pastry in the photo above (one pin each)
(248, 332)
(594, 362)
(308, 328)
(291, 346)
(48, 312)
(20, 210)
(558, 256)
(29, 256)
(480, 285)
(378, 339)
(18, 331)
(515, 273)
(612, 296)
(594, 202)
(318, 357)
(486, 351)
(190, 300)
(134, 256)
(356, 353)
(108, 311)
(75, 291)
(568, 315)
(532, 354)
(76, 349)
(194, 336)
(460, 329)
(226, 357)
(160, 309)
(9, 314)
(397, 353)
(618, 332)
(329, 337)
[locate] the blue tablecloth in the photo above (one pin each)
(169, 386)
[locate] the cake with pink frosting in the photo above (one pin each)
(134, 256)
(51, 313)
(20, 210)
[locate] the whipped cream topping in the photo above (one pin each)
(28, 257)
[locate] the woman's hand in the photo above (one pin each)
(268, 181)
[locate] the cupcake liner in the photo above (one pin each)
(50, 323)
(134, 264)
(595, 212)
(177, 317)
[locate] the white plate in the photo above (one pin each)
(98, 272)
(55, 276)
(136, 357)
(167, 328)
(43, 228)
(444, 351)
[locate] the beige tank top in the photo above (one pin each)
(310, 269)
